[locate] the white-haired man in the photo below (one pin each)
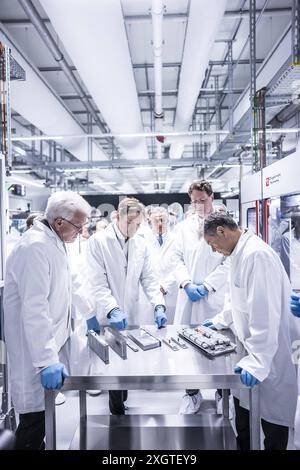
(37, 301)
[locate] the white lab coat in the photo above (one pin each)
(113, 281)
(195, 261)
(37, 298)
(260, 311)
(163, 264)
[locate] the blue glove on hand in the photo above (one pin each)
(160, 316)
(93, 324)
(202, 290)
(52, 377)
(209, 324)
(295, 305)
(246, 378)
(192, 292)
(117, 319)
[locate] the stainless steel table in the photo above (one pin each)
(155, 369)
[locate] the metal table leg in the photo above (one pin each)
(50, 424)
(254, 410)
(83, 418)
(225, 402)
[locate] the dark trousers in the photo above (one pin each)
(31, 431)
(116, 401)
(276, 436)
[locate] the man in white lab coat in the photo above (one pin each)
(295, 309)
(201, 274)
(37, 301)
(160, 241)
(260, 311)
(118, 261)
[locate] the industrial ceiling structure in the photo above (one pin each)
(138, 96)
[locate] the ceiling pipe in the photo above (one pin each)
(94, 36)
(39, 25)
(157, 22)
(198, 44)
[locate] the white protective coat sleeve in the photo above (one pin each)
(79, 298)
(33, 280)
(216, 278)
(223, 319)
(169, 283)
(100, 294)
(150, 282)
(264, 310)
(181, 272)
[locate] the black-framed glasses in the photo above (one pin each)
(78, 228)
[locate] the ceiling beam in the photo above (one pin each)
(229, 14)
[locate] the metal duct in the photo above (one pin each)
(94, 36)
(203, 23)
(35, 100)
(157, 21)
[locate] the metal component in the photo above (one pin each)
(252, 37)
(179, 342)
(50, 422)
(83, 419)
(217, 109)
(254, 404)
(144, 339)
(225, 403)
(230, 85)
(98, 345)
(208, 340)
(296, 32)
(116, 341)
(169, 342)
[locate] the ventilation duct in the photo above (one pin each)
(94, 36)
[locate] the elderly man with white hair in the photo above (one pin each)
(37, 311)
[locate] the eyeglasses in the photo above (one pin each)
(78, 227)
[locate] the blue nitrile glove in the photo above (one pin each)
(246, 378)
(202, 290)
(192, 292)
(93, 324)
(209, 324)
(295, 305)
(52, 377)
(160, 316)
(117, 319)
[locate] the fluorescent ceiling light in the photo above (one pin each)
(153, 182)
(19, 150)
(102, 183)
(19, 179)
(16, 172)
(118, 136)
(142, 167)
(232, 193)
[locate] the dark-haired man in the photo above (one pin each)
(259, 313)
(200, 273)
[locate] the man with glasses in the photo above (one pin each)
(37, 311)
(118, 262)
(201, 274)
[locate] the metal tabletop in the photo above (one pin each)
(157, 369)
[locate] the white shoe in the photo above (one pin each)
(190, 404)
(94, 393)
(219, 405)
(60, 398)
